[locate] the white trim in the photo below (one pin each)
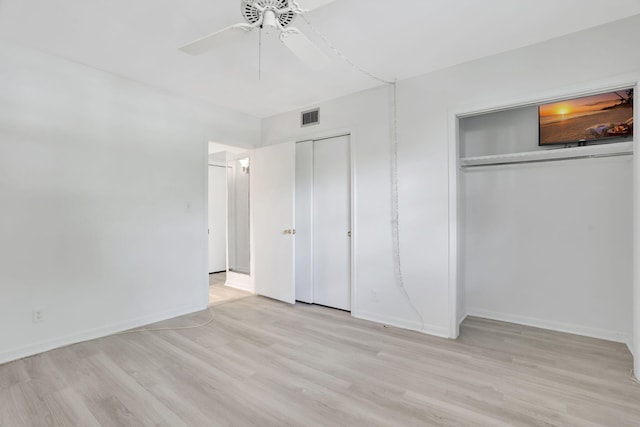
(552, 325)
(634, 342)
(91, 334)
(205, 225)
(218, 164)
(630, 348)
(462, 319)
(454, 222)
(239, 281)
(453, 190)
(617, 148)
(252, 235)
(412, 325)
(352, 240)
(312, 136)
(538, 97)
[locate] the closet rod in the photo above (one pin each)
(515, 162)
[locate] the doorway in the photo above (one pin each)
(323, 222)
(228, 223)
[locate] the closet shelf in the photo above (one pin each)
(615, 149)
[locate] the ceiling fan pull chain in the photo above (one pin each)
(260, 54)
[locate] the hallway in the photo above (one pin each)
(219, 293)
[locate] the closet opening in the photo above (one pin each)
(541, 236)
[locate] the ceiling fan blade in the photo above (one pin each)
(304, 48)
(212, 41)
(313, 4)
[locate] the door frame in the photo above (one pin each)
(230, 151)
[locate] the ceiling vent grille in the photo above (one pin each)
(311, 117)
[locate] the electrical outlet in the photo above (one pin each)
(374, 295)
(37, 315)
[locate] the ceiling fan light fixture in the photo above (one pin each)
(254, 11)
(269, 20)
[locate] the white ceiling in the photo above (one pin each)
(138, 39)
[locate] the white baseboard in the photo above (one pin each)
(402, 323)
(631, 347)
(462, 317)
(90, 334)
(552, 325)
(240, 286)
(239, 281)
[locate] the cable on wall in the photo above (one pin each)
(177, 328)
(395, 224)
(343, 56)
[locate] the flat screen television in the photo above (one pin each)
(596, 118)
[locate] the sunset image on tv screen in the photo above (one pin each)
(607, 115)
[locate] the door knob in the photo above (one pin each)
(289, 231)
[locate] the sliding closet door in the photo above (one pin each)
(331, 223)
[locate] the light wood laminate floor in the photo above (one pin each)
(219, 293)
(265, 363)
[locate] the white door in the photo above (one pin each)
(331, 262)
(217, 218)
(272, 189)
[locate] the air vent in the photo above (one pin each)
(311, 117)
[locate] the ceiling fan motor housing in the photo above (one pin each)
(253, 15)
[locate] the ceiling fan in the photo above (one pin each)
(269, 14)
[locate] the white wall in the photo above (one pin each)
(550, 245)
(426, 103)
(216, 147)
(103, 207)
(501, 132)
